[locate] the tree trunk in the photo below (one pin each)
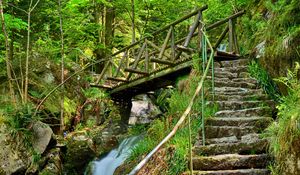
(133, 21)
(106, 36)
(7, 56)
(62, 68)
(30, 9)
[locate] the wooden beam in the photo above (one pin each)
(162, 61)
(222, 36)
(116, 79)
(135, 71)
(157, 48)
(152, 76)
(163, 48)
(181, 19)
(230, 35)
(185, 49)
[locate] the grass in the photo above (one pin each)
(284, 134)
(264, 80)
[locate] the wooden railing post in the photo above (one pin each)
(165, 44)
(147, 60)
(200, 26)
(231, 44)
(173, 53)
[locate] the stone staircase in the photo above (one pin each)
(234, 145)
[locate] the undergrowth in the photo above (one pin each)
(285, 133)
(175, 101)
(264, 80)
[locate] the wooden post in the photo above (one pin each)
(163, 48)
(199, 32)
(136, 62)
(222, 36)
(235, 40)
(231, 44)
(121, 63)
(147, 60)
(173, 43)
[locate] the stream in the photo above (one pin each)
(107, 164)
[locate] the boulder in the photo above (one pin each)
(80, 150)
(54, 163)
(42, 136)
(12, 161)
(143, 110)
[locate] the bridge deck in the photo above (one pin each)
(158, 79)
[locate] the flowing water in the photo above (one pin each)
(109, 163)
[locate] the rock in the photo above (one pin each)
(42, 136)
(143, 111)
(11, 159)
(80, 150)
(230, 161)
(54, 163)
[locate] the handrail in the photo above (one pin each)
(171, 25)
(184, 115)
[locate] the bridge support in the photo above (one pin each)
(124, 106)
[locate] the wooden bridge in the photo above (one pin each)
(158, 60)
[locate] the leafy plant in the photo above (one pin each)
(285, 133)
(264, 80)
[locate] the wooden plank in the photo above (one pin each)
(161, 61)
(103, 86)
(116, 79)
(135, 71)
(152, 76)
(185, 49)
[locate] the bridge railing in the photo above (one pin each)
(150, 54)
(164, 49)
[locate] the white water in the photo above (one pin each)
(109, 163)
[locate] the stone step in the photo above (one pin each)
(231, 139)
(226, 89)
(237, 91)
(230, 161)
(236, 105)
(230, 75)
(230, 83)
(237, 69)
(232, 63)
(249, 112)
(233, 172)
(227, 131)
(241, 97)
(244, 146)
(259, 122)
(226, 79)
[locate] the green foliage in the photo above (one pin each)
(19, 124)
(94, 93)
(285, 133)
(264, 80)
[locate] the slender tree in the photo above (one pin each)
(62, 67)
(133, 21)
(30, 9)
(8, 53)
